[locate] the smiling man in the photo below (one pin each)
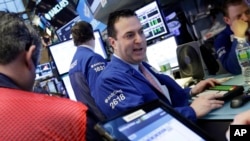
(128, 82)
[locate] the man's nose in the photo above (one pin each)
(139, 38)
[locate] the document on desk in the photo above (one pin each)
(183, 81)
(224, 79)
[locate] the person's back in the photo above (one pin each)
(30, 116)
(26, 115)
(85, 67)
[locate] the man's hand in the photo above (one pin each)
(204, 84)
(239, 28)
(204, 104)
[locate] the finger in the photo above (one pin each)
(213, 96)
(217, 102)
(215, 106)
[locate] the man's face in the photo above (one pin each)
(130, 44)
(238, 12)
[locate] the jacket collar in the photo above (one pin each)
(6, 82)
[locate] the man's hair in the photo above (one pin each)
(227, 3)
(15, 37)
(82, 32)
(114, 17)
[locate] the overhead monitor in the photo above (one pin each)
(152, 21)
(161, 51)
(93, 4)
(64, 33)
(63, 52)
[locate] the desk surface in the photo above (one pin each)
(226, 112)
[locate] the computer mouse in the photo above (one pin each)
(239, 101)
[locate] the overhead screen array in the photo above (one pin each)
(152, 20)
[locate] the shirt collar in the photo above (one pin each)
(7, 82)
(135, 66)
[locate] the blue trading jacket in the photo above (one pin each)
(85, 67)
(120, 87)
(225, 46)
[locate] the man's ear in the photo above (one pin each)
(111, 42)
(28, 57)
(227, 20)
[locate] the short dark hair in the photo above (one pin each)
(15, 37)
(82, 32)
(227, 3)
(114, 17)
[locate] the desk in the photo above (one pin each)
(216, 122)
(226, 112)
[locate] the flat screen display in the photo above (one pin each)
(69, 89)
(63, 52)
(152, 21)
(151, 122)
(43, 71)
(64, 33)
(164, 50)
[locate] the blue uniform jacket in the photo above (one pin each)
(85, 67)
(120, 87)
(225, 49)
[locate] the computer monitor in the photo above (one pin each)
(63, 52)
(50, 85)
(64, 33)
(152, 21)
(161, 51)
(69, 89)
(44, 71)
(99, 45)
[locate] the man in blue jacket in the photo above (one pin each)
(85, 67)
(122, 85)
(237, 17)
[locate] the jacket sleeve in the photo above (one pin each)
(226, 53)
(180, 98)
(95, 66)
(187, 112)
(115, 94)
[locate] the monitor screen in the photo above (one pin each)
(161, 51)
(49, 85)
(152, 121)
(43, 71)
(69, 89)
(99, 46)
(152, 21)
(63, 52)
(64, 33)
